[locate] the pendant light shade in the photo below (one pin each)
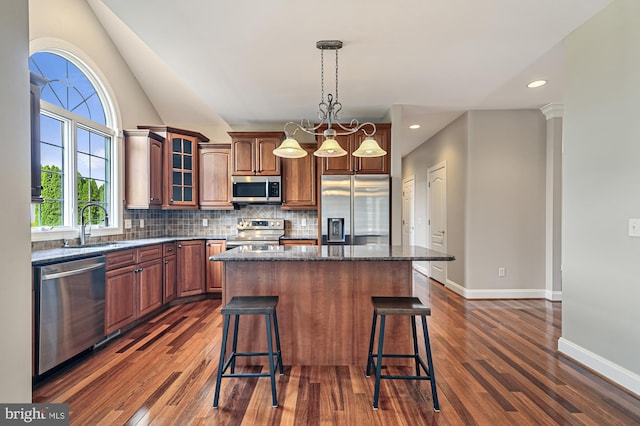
(290, 148)
(369, 148)
(330, 148)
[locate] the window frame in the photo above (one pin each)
(72, 122)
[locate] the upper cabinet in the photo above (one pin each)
(180, 166)
(215, 172)
(299, 181)
(252, 153)
(143, 169)
(349, 164)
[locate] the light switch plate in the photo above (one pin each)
(141, 223)
(634, 227)
(205, 222)
(127, 224)
(303, 222)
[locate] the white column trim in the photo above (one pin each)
(553, 111)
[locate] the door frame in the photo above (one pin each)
(413, 205)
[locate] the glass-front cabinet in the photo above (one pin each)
(180, 170)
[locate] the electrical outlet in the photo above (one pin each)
(501, 272)
(303, 222)
(634, 227)
(141, 223)
(127, 224)
(205, 222)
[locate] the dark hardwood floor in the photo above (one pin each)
(495, 364)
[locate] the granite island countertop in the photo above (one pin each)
(332, 253)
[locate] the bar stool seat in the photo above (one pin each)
(249, 305)
(408, 306)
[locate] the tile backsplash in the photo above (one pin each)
(188, 223)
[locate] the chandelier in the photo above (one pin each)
(329, 115)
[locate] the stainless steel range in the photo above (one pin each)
(257, 233)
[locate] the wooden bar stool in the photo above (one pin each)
(410, 306)
(249, 305)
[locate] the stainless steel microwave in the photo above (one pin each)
(256, 189)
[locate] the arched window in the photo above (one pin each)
(77, 144)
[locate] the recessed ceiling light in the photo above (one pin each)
(536, 83)
(414, 126)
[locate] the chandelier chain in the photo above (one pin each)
(321, 76)
(337, 97)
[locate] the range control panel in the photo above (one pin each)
(260, 224)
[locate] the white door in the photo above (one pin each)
(408, 212)
(437, 197)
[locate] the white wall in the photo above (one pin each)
(72, 24)
(601, 176)
(15, 261)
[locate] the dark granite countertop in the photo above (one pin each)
(331, 253)
(42, 257)
(294, 237)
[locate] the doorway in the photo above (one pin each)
(408, 212)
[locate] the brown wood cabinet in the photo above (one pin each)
(215, 176)
(302, 242)
(133, 286)
(252, 153)
(214, 269)
(170, 268)
(180, 166)
(190, 274)
(348, 164)
(143, 169)
(300, 181)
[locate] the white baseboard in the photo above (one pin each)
(496, 293)
(554, 296)
(623, 377)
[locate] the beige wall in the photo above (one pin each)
(506, 201)
(449, 145)
(495, 200)
(601, 178)
(15, 262)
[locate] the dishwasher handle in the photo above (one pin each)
(55, 275)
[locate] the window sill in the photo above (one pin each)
(69, 233)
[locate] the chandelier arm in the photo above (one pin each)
(355, 126)
(311, 130)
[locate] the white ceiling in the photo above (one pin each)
(229, 63)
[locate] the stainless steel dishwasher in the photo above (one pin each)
(69, 309)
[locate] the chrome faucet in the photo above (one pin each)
(83, 224)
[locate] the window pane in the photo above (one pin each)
(187, 179)
(177, 161)
(84, 165)
(50, 130)
(187, 146)
(51, 156)
(188, 194)
(187, 163)
(49, 213)
(98, 168)
(98, 145)
(177, 145)
(83, 141)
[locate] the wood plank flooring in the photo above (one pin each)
(495, 364)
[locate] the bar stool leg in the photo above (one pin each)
(275, 323)
(412, 318)
(272, 367)
(376, 393)
(432, 376)
(373, 333)
(235, 344)
(223, 349)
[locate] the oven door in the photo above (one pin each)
(256, 189)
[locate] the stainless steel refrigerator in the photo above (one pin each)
(355, 209)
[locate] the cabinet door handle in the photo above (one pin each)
(169, 249)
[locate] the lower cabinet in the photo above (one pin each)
(170, 269)
(133, 285)
(191, 258)
(215, 270)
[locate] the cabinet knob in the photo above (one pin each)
(166, 262)
(179, 245)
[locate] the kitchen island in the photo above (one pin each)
(324, 310)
